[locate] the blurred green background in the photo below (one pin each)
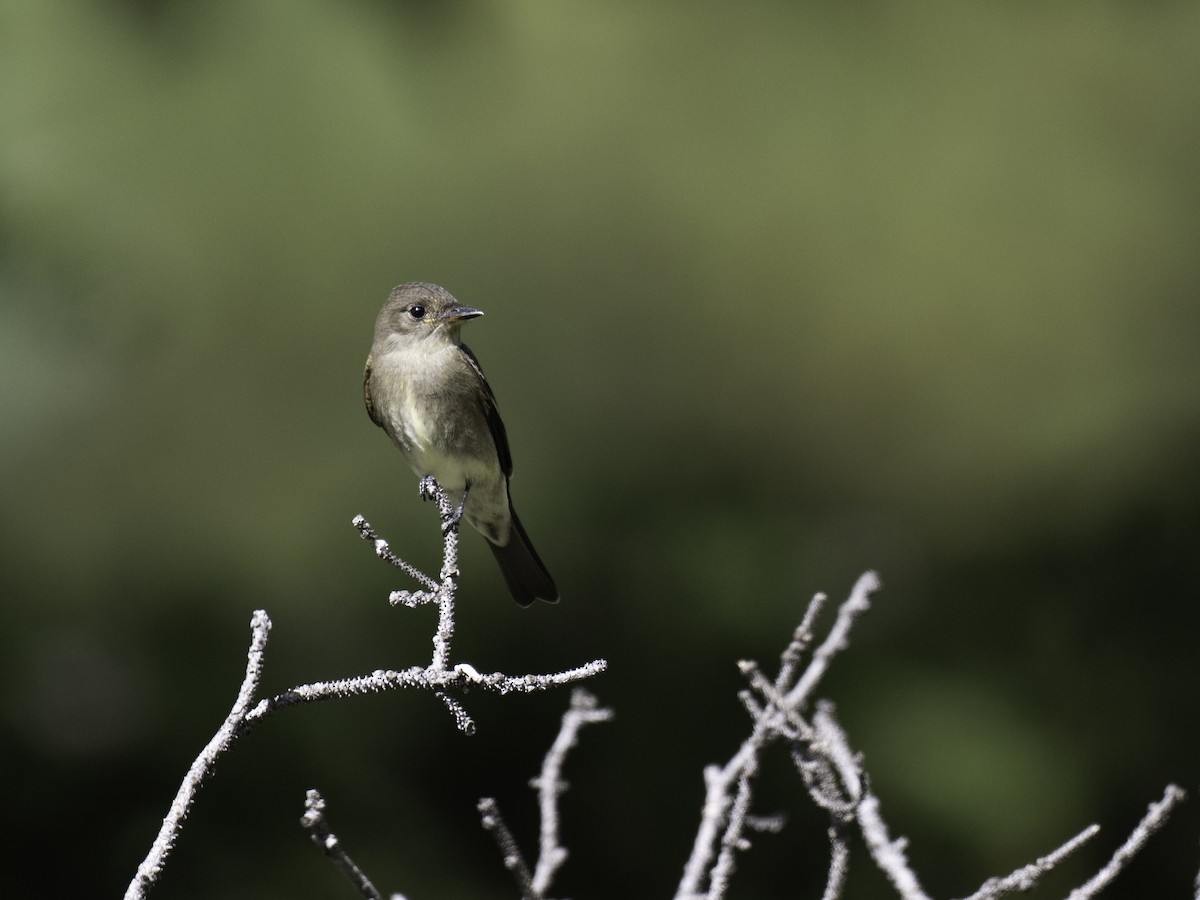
(775, 293)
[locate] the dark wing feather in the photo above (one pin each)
(488, 401)
(367, 394)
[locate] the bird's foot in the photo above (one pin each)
(455, 517)
(428, 488)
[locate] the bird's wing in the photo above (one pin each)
(491, 413)
(367, 394)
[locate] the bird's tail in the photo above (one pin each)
(523, 569)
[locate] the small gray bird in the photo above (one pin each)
(426, 390)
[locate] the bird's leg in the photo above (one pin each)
(456, 517)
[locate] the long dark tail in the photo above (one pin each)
(523, 569)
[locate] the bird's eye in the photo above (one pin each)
(417, 312)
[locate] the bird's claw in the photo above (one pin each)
(453, 520)
(427, 487)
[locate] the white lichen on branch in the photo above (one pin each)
(549, 785)
(782, 710)
(151, 867)
(313, 821)
(836, 781)
(439, 676)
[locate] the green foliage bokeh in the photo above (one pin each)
(775, 293)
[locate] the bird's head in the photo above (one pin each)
(421, 311)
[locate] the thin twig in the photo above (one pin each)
(778, 702)
(779, 718)
(438, 677)
(1156, 816)
(550, 784)
(858, 603)
(152, 865)
(888, 853)
(489, 812)
(462, 719)
(732, 840)
(1197, 886)
(1026, 877)
(384, 552)
(315, 823)
(822, 783)
(718, 781)
(461, 676)
(839, 863)
(802, 638)
(451, 518)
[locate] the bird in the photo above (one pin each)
(424, 387)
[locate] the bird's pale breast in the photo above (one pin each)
(428, 408)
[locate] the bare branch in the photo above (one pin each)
(837, 639)
(887, 853)
(802, 638)
(832, 772)
(834, 747)
(1198, 886)
(1156, 816)
(732, 840)
(314, 822)
(462, 720)
(461, 676)
(835, 779)
(839, 864)
(550, 784)
(1026, 878)
(513, 860)
(776, 701)
(822, 784)
(384, 553)
(438, 677)
(718, 782)
(151, 867)
(440, 592)
(780, 718)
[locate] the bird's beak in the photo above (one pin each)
(459, 314)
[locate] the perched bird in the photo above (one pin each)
(426, 390)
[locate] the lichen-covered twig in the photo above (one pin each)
(728, 789)
(462, 675)
(1155, 818)
(781, 709)
(831, 743)
(549, 785)
(837, 782)
(1026, 877)
(172, 824)
(315, 824)
(489, 812)
(439, 677)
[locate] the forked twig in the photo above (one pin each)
(550, 786)
(439, 677)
